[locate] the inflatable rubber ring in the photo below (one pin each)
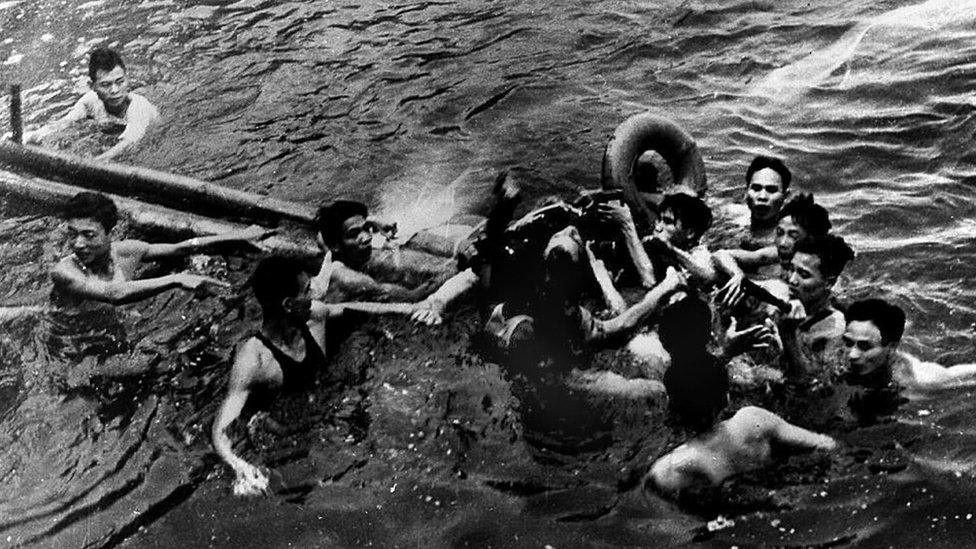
(647, 132)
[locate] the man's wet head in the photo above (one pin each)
(800, 218)
(90, 218)
(282, 287)
(767, 188)
(816, 264)
(108, 77)
(874, 329)
(343, 228)
(682, 221)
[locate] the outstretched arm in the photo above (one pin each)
(933, 377)
(619, 214)
(632, 317)
(747, 259)
(139, 116)
(149, 251)
(361, 285)
(77, 112)
(431, 310)
(611, 296)
(698, 263)
(249, 479)
(126, 291)
(766, 424)
(790, 434)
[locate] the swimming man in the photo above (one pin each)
(109, 103)
(99, 269)
(697, 386)
(874, 330)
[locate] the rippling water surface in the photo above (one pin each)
(409, 104)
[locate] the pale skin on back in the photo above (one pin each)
(740, 444)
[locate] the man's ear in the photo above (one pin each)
(321, 242)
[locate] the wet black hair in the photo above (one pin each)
(691, 211)
(889, 318)
(762, 162)
(91, 205)
(103, 59)
(696, 382)
(331, 217)
(806, 213)
(275, 279)
(685, 325)
(833, 252)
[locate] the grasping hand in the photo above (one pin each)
(250, 481)
(428, 312)
(674, 280)
(615, 212)
(732, 292)
(752, 338)
(193, 282)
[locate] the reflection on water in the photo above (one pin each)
(389, 102)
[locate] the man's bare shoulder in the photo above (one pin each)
(250, 363)
(141, 107)
(752, 421)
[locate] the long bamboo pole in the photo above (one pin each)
(154, 186)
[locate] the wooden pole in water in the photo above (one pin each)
(16, 122)
(152, 217)
(166, 189)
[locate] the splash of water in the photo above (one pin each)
(789, 82)
(423, 204)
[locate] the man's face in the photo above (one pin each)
(866, 352)
(806, 281)
(671, 230)
(112, 87)
(788, 233)
(88, 240)
(563, 277)
(299, 308)
(765, 195)
(357, 241)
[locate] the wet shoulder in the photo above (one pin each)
(141, 107)
(255, 365)
(829, 323)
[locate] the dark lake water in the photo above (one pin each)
(412, 107)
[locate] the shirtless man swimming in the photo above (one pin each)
(109, 103)
(99, 269)
(697, 386)
(874, 330)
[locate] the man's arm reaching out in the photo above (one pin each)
(126, 291)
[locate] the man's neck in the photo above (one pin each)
(817, 307)
(118, 111)
(101, 265)
(280, 328)
(762, 225)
